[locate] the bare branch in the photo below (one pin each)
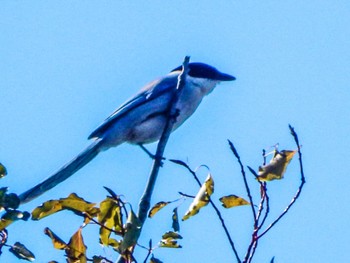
(233, 149)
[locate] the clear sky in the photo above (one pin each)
(66, 65)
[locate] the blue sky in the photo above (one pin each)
(66, 65)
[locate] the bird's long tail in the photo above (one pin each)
(64, 173)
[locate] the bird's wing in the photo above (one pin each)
(151, 91)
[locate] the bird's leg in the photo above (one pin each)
(151, 155)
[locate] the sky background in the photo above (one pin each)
(66, 65)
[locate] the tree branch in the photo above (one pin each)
(297, 194)
(145, 201)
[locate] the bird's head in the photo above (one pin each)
(201, 70)
(203, 76)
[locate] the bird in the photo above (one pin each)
(141, 119)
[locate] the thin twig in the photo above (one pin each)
(267, 210)
(233, 149)
(149, 250)
(214, 206)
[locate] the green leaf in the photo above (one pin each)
(156, 208)
(57, 242)
(202, 198)
(171, 235)
(8, 200)
(20, 251)
(98, 259)
(175, 217)
(232, 201)
(132, 232)
(3, 171)
(11, 201)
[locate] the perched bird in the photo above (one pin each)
(141, 119)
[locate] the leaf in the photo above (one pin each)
(72, 202)
(172, 235)
(57, 242)
(201, 199)
(277, 166)
(232, 201)
(20, 251)
(11, 216)
(76, 249)
(99, 259)
(175, 217)
(132, 232)
(8, 200)
(110, 191)
(155, 260)
(11, 201)
(111, 219)
(169, 243)
(156, 208)
(77, 204)
(115, 244)
(3, 171)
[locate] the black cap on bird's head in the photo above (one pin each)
(201, 70)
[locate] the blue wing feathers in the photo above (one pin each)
(150, 92)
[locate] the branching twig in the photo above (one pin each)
(297, 194)
(145, 201)
(146, 197)
(233, 149)
(214, 206)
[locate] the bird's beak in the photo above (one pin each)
(224, 77)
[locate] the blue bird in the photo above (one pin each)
(141, 119)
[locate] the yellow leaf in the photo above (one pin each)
(76, 204)
(56, 241)
(277, 166)
(156, 208)
(232, 201)
(170, 243)
(114, 243)
(202, 198)
(110, 217)
(11, 216)
(72, 202)
(46, 209)
(76, 248)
